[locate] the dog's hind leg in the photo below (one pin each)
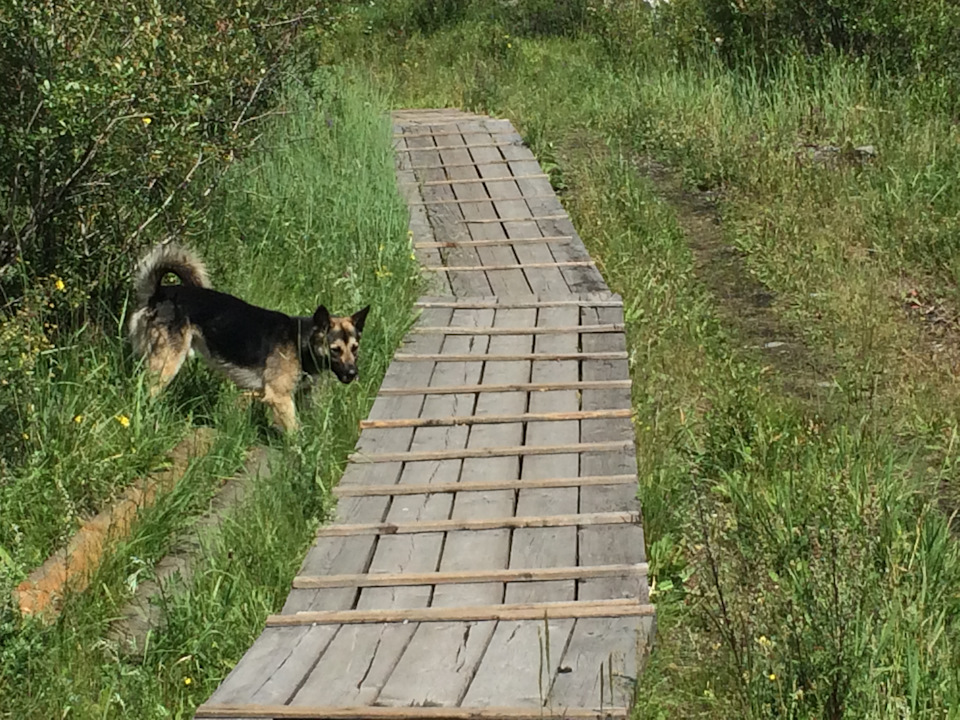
(167, 353)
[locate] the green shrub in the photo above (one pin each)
(114, 120)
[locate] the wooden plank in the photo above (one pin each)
(494, 419)
(516, 450)
(433, 526)
(482, 486)
(579, 356)
(456, 147)
(519, 662)
(519, 219)
(507, 611)
(439, 663)
(488, 268)
(590, 645)
(463, 164)
(495, 243)
(532, 574)
(480, 180)
(450, 201)
(496, 303)
(365, 712)
(559, 330)
(516, 387)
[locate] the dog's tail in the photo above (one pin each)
(164, 259)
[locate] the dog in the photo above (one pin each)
(264, 351)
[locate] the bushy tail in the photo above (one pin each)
(163, 259)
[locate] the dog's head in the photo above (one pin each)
(338, 340)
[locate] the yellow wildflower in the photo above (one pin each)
(187, 681)
(146, 120)
(772, 676)
(60, 286)
(123, 420)
(78, 419)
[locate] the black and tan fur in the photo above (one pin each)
(264, 351)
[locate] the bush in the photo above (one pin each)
(110, 115)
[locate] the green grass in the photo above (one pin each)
(800, 542)
(312, 217)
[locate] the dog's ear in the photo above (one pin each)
(359, 318)
(321, 319)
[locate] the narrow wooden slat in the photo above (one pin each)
(487, 452)
(446, 133)
(456, 201)
(313, 582)
(439, 357)
(566, 330)
(476, 181)
(511, 611)
(466, 304)
(367, 712)
(457, 147)
(562, 216)
(493, 243)
(480, 486)
(523, 266)
(495, 419)
(513, 387)
(462, 164)
(457, 524)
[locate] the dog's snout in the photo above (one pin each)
(348, 374)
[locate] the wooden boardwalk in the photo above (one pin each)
(487, 560)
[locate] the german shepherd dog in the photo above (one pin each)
(263, 351)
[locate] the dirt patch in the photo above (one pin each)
(744, 304)
(70, 568)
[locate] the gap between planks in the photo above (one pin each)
(620, 607)
(523, 266)
(489, 452)
(481, 486)
(441, 166)
(536, 357)
(499, 575)
(625, 517)
(489, 330)
(368, 712)
(495, 419)
(513, 387)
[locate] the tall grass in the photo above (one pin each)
(313, 217)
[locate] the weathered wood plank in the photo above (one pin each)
(522, 450)
(494, 419)
(442, 657)
(507, 388)
(520, 521)
(505, 611)
(532, 574)
(484, 486)
(211, 710)
(539, 330)
(427, 357)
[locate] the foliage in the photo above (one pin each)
(109, 115)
